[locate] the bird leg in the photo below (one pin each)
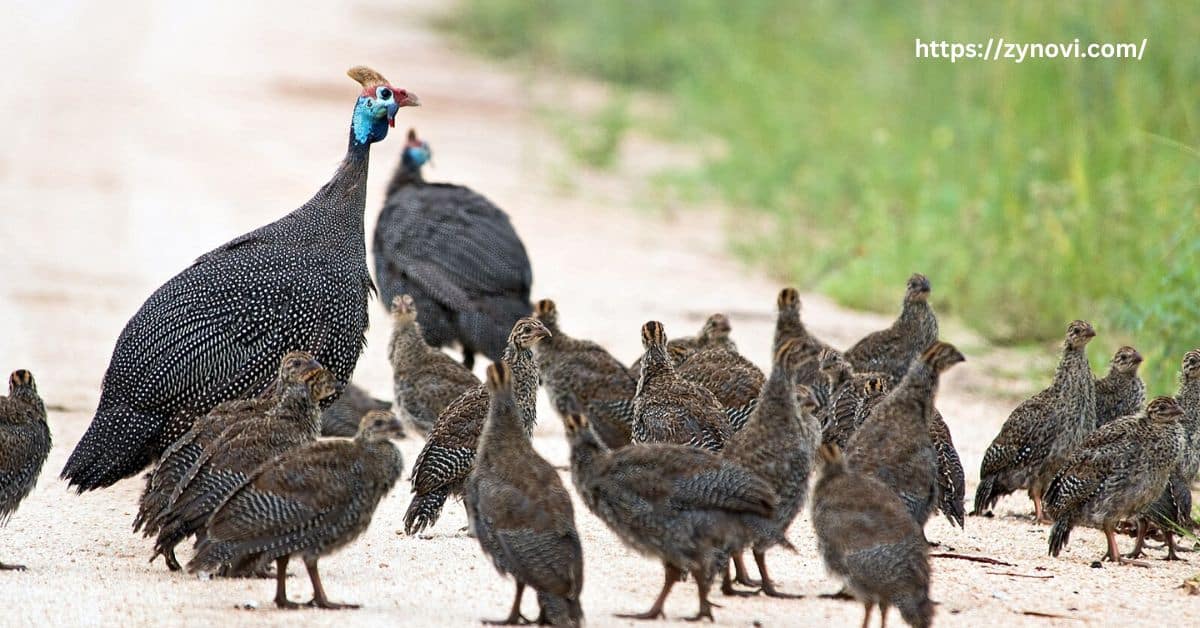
(319, 599)
(1115, 552)
(4, 567)
(703, 582)
(883, 609)
(1141, 540)
(727, 582)
(768, 587)
(867, 606)
(281, 598)
(514, 616)
(741, 574)
(671, 577)
(1039, 514)
(1171, 555)
(172, 562)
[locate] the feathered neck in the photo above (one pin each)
(525, 382)
(405, 175)
(655, 365)
(1189, 398)
(407, 346)
(504, 433)
(787, 326)
(1074, 361)
(296, 405)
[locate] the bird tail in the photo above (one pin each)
(1060, 533)
(424, 510)
(149, 506)
(985, 496)
(119, 443)
(560, 611)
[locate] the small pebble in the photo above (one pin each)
(1097, 565)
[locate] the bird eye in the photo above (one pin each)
(384, 93)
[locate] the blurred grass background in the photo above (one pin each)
(1031, 193)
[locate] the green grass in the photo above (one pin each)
(1032, 194)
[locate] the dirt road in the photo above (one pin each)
(138, 137)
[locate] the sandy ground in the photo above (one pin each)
(136, 139)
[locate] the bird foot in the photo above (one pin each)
(654, 613)
(286, 604)
(840, 595)
(172, 562)
(1135, 563)
(728, 589)
(511, 620)
(4, 567)
(1135, 554)
(331, 606)
(705, 613)
(770, 591)
(1043, 520)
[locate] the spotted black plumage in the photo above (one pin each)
(24, 444)
(456, 254)
(216, 330)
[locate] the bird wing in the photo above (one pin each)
(196, 334)
(1025, 438)
(528, 523)
(453, 242)
(692, 478)
(290, 497)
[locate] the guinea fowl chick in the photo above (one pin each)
(456, 253)
(342, 416)
(1172, 511)
(788, 326)
(685, 506)
(730, 377)
(521, 513)
(1115, 474)
(867, 538)
(1121, 392)
(669, 409)
(225, 463)
(24, 445)
(449, 453)
(894, 445)
(891, 350)
(848, 396)
(310, 501)
(778, 445)
(581, 377)
(714, 333)
(1043, 430)
(177, 460)
(424, 379)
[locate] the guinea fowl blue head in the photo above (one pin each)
(375, 111)
(416, 153)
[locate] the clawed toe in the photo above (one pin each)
(331, 606)
(650, 614)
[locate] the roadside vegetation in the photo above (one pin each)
(1032, 193)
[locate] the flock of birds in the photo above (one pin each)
(230, 373)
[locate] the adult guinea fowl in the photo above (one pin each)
(216, 330)
(456, 253)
